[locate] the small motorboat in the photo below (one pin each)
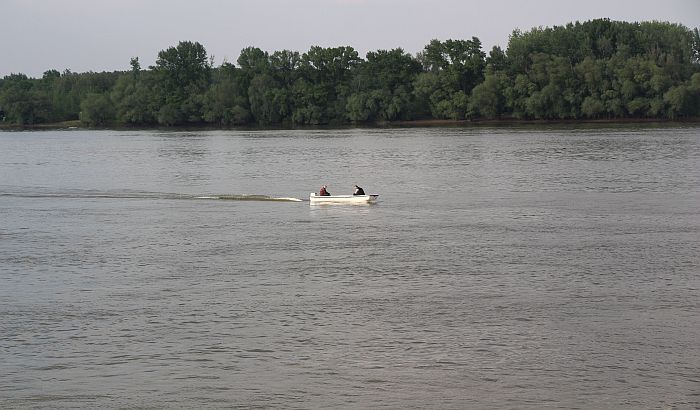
(342, 199)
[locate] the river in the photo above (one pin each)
(503, 268)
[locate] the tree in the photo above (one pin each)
(592, 107)
(184, 75)
(253, 60)
(22, 103)
(135, 66)
(324, 84)
(284, 66)
(136, 99)
(69, 91)
(96, 109)
(382, 87)
(269, 103)
(454, 68)
(226, 101)
(488, 99)
(463, 60)
(359, 109)
(185, 64)
(497, 60)
(572, 70)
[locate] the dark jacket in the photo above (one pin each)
(358, 191)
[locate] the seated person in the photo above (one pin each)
(358, 191)
(324, 192)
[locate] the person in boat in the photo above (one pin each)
(323, 191)
(358, 191)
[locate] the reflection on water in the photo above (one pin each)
(517, 267)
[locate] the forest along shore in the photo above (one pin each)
(595, 70)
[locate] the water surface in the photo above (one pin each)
(503, 268)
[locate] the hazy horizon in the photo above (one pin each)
(80, 36)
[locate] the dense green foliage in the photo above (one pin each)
(596, 69)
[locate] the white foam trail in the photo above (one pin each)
(147, 195)
(247, 197)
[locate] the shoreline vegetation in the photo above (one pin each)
(599, 71)
(501, 122)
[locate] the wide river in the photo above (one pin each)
(503, 268)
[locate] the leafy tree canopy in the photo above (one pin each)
(594, 69)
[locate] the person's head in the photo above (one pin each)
(356, 186)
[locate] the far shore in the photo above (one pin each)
(412, 123)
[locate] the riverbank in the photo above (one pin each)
(47, 126)
(412, 123)
(514, 121)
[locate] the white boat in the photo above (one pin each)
(342, 199)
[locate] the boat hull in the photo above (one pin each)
(342, 199)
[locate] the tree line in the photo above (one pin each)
(596, 69)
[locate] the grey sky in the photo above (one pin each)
(99, 35)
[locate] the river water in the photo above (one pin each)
(503, 268)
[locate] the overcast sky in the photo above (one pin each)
(102, 35)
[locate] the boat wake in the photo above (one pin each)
(147, 195)
(249, 198)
